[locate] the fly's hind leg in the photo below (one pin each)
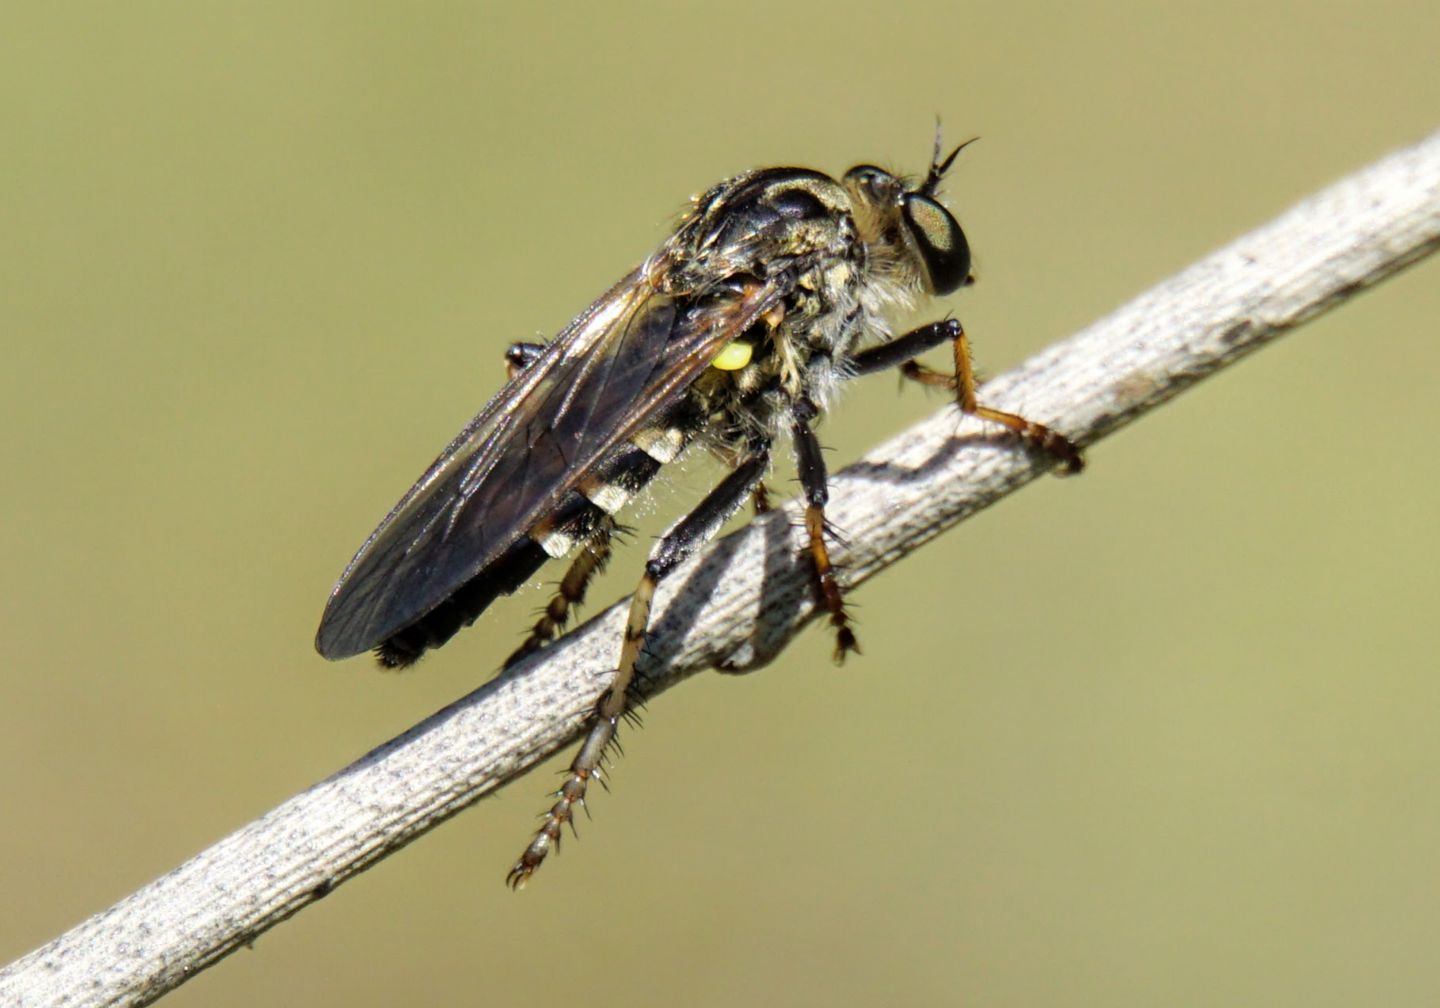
(693, 531)
(814, 483)
(901, 352)
(570, 592)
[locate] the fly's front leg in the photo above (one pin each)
(693, 531)
(570, 593)
(814, 482)
(901, 350)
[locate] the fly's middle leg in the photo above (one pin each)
(570, 592)
(901, 352)
(814, 482)
(692, 532)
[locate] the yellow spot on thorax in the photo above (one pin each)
(734, 357)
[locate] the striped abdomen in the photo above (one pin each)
(581, 511)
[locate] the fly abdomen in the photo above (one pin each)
(573, 523)
(623, 476)
(515, 565)
(574, 519)
(661, 444)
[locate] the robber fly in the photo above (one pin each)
(776, 286)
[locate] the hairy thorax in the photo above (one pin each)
(845, 284)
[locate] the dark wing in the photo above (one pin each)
(627, 357)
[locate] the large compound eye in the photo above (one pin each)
(943, 249)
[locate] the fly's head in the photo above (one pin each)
(910, 234)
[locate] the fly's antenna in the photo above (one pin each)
(938, 168)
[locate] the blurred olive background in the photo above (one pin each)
(1164, 734)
